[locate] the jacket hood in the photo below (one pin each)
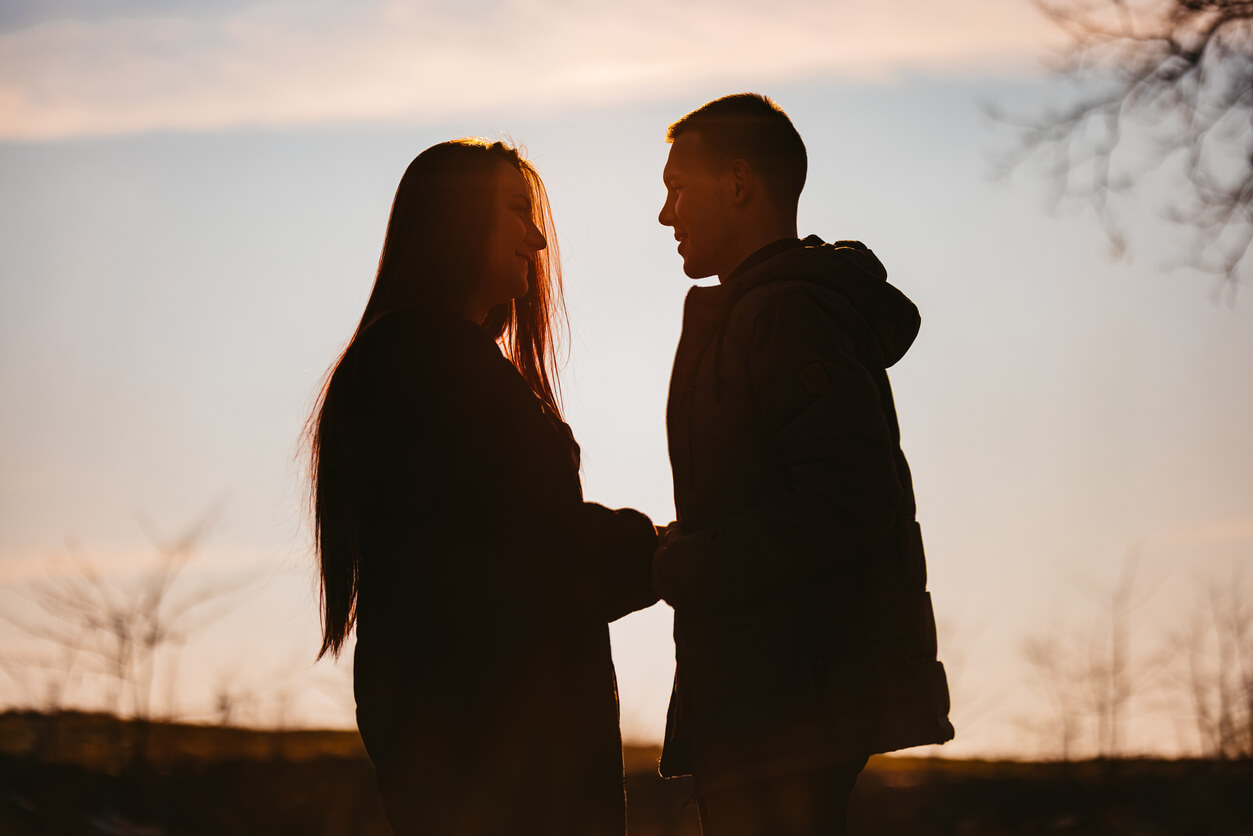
(850, 269)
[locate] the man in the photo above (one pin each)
(804, 635)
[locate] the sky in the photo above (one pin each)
(192, 201)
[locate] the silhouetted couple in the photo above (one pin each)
(453, 533)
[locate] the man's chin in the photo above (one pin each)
(694, 270)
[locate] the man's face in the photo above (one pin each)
(697, 207)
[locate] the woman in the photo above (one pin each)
(450, 523)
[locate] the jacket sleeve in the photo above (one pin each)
(834, 494)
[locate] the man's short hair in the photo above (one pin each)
(751, 127)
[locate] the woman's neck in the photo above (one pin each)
(474, 311)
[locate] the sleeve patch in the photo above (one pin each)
(814, 378)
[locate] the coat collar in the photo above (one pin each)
(763, 255)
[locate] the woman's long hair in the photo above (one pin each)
(433, 252)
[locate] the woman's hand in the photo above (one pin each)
(665, 536)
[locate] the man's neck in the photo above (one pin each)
(754, 243)
(753, 238)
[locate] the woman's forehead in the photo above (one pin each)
(510, 182)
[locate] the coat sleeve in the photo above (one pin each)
(621, 543)
(835, 493)
(522, 532)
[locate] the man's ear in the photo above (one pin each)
(743, 182)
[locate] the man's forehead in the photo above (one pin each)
(686, 151)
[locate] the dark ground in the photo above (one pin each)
(78, 774)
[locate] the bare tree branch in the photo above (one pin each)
(1168, 87)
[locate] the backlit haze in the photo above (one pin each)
(192, 201)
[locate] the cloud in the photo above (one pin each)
(16, 14)
(1232, 531)
(292, 63)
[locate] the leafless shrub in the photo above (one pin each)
(1215, 658)
(1089, 676)
(1053, 673)
(113, 631)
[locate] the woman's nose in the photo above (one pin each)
(534, 238)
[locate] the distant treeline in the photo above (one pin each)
(61, 773)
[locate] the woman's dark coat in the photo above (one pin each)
(485, 689)
(803, 629)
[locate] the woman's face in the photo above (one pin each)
(512, 243)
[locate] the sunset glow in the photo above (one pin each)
(194, 199)
(288, 63)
